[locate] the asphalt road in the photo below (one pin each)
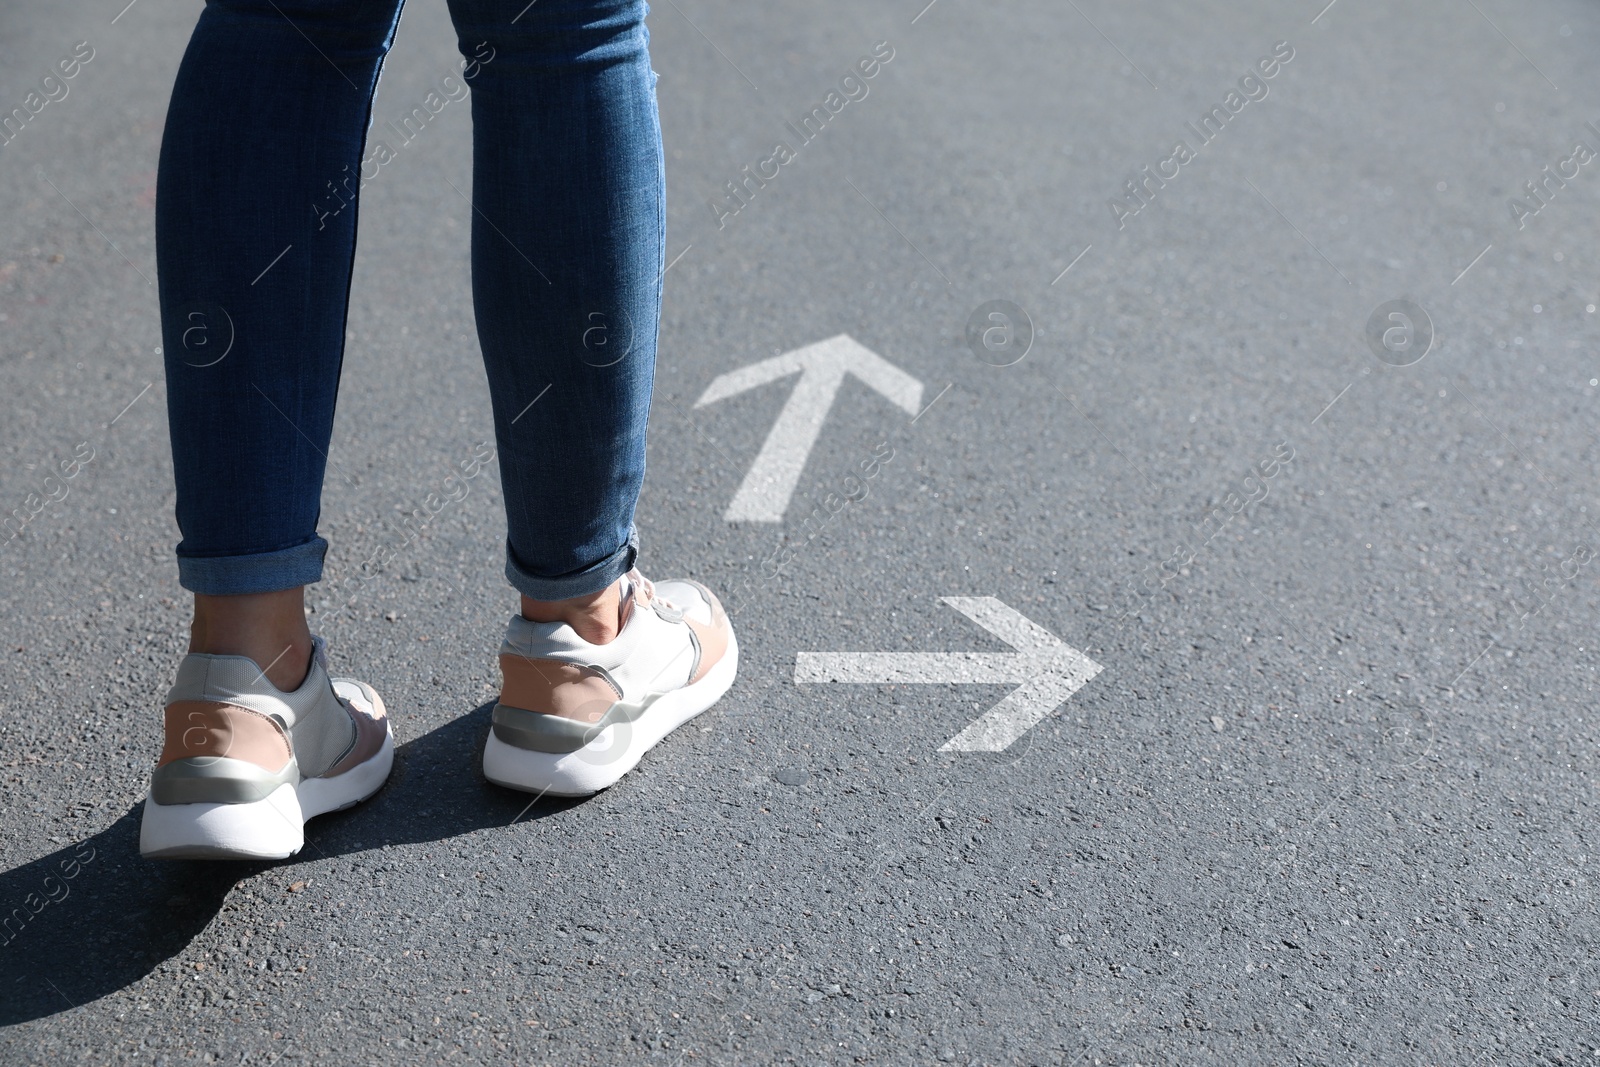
(1328, 798)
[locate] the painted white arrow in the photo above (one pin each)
(764, 494)
(1049, 669)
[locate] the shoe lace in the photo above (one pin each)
(648, 587)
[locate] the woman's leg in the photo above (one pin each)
(267, 118)
(567, 243)
(255, 239)
(566, 266)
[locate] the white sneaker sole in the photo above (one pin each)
(616, 751)
(269, 829)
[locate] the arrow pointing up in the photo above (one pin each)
(764, 494)
(1048, 669)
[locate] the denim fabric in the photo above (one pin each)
(266, 143)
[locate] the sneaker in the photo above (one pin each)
(575, 717)
(245, 765)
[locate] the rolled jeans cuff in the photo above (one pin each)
(261, 572)
(591, 579)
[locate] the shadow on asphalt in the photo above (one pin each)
(94, 917)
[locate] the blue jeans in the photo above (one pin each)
(266, 147)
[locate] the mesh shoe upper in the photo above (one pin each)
(225, 706)
(671, 635)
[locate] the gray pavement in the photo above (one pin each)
(1328, 797)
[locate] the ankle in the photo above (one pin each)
(595, 617)
(268, 628)
(284, 660)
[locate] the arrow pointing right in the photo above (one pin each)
(1049, 669)
(764, 494)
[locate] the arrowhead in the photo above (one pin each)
(895, 385)
(1045, 670)
(1049, 670)
(752, 377)
(1024, 708)
(770, 482)
(838, 355)
(1006, 623)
